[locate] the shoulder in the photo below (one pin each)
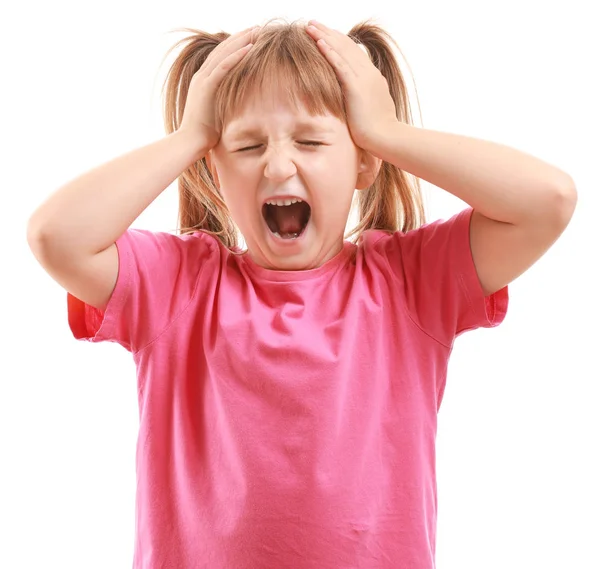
(159, 264)
(438, 228)
(440, 237)
(148, 236)
(433, 266)
(165, 246)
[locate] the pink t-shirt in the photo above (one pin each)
(288, 419)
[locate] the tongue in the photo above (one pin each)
(288, 218)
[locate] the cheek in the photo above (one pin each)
(226, 170)
(240, 204)
(237, 201)
(232, 183)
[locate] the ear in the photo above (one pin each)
(213, 170)
(368, 170)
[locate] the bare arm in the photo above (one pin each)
(522, 204)
(72, 234)
(88, 214)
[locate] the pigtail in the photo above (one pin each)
(394, 201)
(201, 207)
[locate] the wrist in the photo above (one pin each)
(192, 144)
(389, 142)
(381, 140)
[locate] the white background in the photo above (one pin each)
(519, 427)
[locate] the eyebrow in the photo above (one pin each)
(304, 126)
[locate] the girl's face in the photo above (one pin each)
(270, 154)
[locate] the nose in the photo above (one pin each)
(279, 165)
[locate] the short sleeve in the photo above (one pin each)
(158, 273)
(435, 267)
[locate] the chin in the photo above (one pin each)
(303, 253)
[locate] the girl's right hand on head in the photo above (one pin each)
(199, 113)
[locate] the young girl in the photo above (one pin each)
(288, 392)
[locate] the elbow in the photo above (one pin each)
(35, 240)
(38, 235)
(36, 224)
(565, 201)
(34, 233)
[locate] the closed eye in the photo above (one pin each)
(306, 143)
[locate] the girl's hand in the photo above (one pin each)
(369, 105)
(199, 113)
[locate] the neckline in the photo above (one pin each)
(276, 275)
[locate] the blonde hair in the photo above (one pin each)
(284, 54)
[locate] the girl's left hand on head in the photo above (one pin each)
(369, 105)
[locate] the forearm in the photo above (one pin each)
(91, 212)
(499, 182)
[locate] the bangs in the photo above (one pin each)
(284, 62)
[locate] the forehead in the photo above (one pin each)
(250, 126)
(260, 112)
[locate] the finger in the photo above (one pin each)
(227, 64)
(248, 32)
(343, 70)
(333, 38)
(318, 31)
(344, 46)
(252, 32)
(232, 44)
(324, 32)
(318, 25)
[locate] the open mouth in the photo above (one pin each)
(286, 218)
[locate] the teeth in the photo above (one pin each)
(284, 202)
